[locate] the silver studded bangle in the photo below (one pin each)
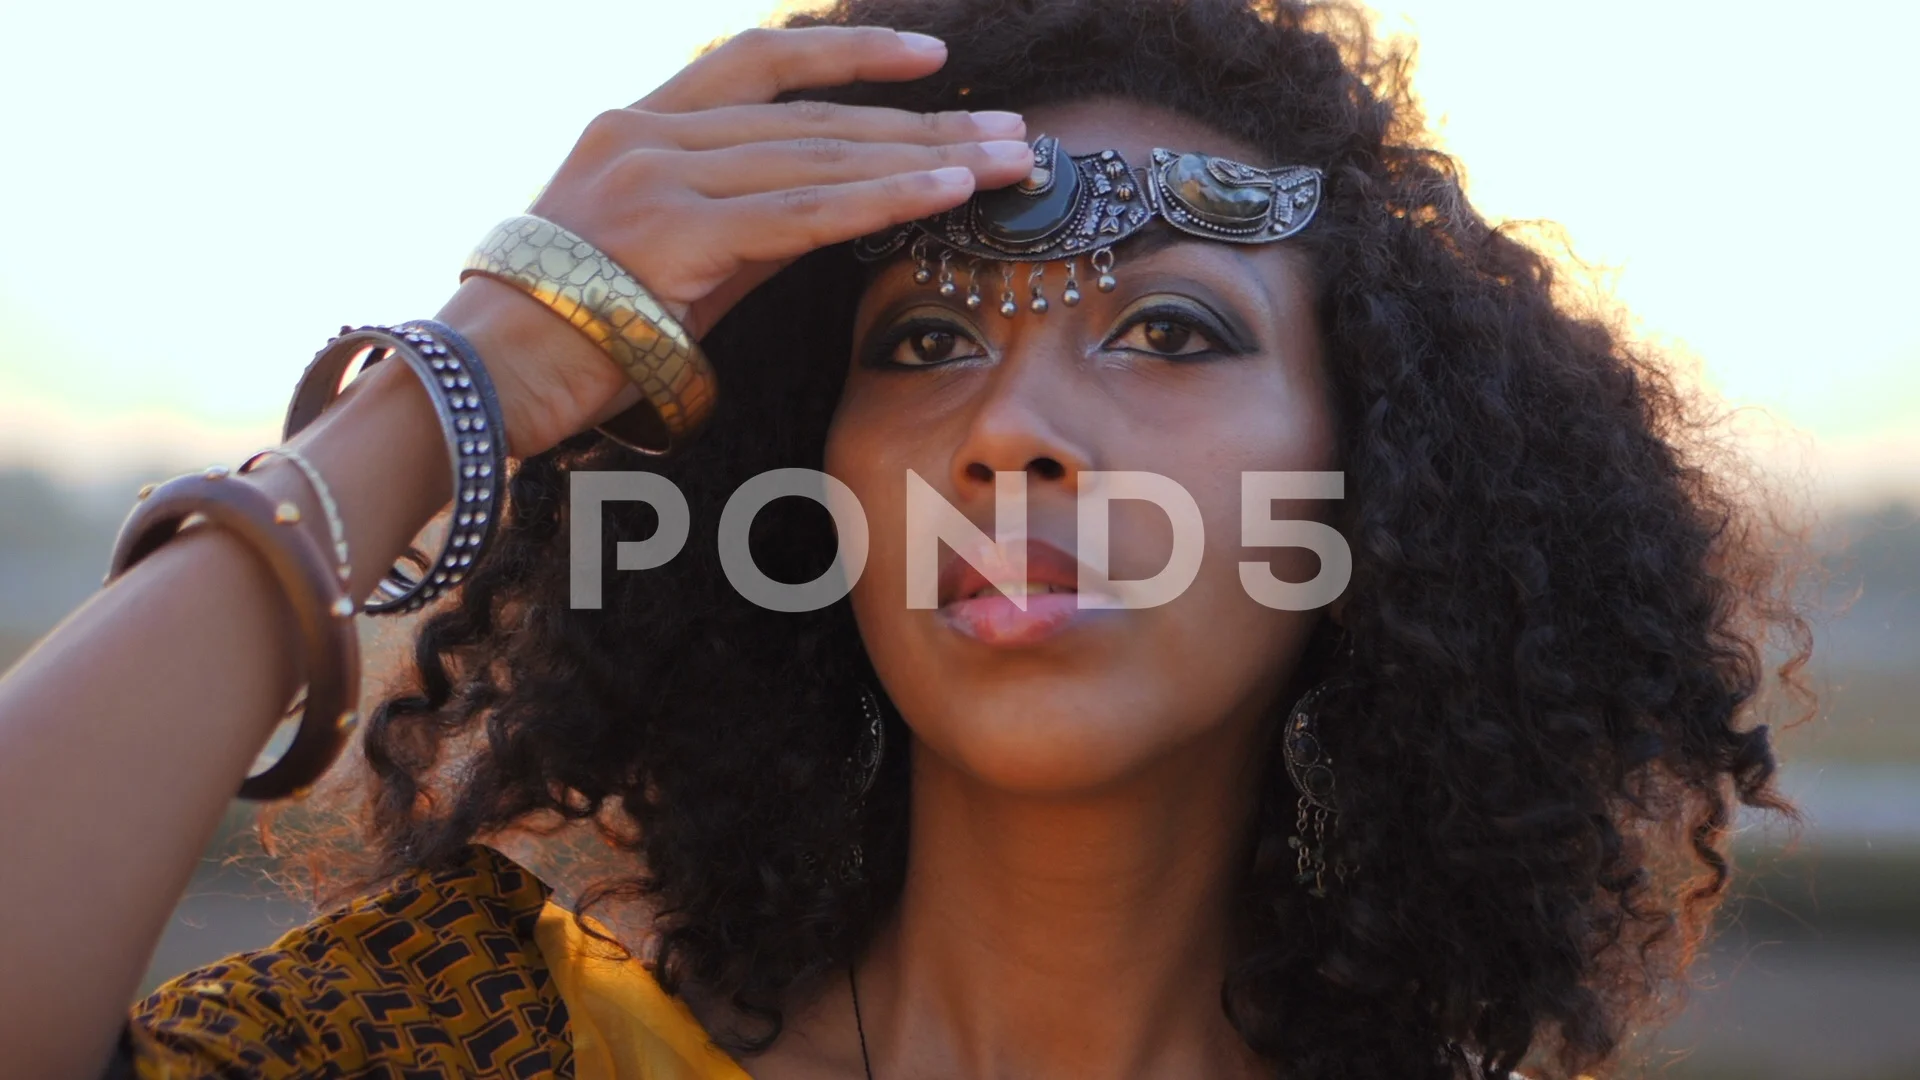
(470, 420)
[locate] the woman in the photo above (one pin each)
(959, 836)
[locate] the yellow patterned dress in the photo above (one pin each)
(467, 972)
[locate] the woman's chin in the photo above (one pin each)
(1051, 750)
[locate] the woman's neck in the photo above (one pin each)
(1083, 936)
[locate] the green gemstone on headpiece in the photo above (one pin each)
(1197, 187)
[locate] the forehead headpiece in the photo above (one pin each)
(1078, 207)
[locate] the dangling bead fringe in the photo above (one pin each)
(1103, 265)
(947, 287)
(925, 272)
(1037, 279)
(922, 273)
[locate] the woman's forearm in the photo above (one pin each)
(124, 733)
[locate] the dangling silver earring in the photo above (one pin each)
(1311, 769)
(863, 769)
(873, 745)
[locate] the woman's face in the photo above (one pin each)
(1203, 364)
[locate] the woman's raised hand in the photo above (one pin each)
(704, 189)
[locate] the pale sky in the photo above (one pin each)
(200, 193)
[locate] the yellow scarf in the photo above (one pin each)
(624, 1026)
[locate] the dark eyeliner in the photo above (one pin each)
(1225, 339)
(876, 354)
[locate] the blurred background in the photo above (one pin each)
(203, 192)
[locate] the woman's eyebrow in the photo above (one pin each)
(1152, 240)
(1157, 239)
(890, 312)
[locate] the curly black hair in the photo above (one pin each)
(1560, 610)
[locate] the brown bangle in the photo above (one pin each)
(329, 641)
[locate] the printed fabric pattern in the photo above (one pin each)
(440, 977)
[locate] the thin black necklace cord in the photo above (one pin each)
(853, 986)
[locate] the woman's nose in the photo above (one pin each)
(1031, 417)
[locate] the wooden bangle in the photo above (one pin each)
(329, 641)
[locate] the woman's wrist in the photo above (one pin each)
(381, 452)
(540, 365)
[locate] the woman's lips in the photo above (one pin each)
(972, 605)
(993, 619)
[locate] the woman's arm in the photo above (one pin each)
(126, 731)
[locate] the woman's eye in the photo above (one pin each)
(1164, 337)
(924, 346)
(930, 346)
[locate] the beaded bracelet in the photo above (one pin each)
(330, 644)
(336, 529)
(470, 419)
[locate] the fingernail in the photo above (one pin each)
(1005, 125)
(925, 43)
(1009, 152)
(953, 176)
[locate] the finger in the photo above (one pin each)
(777, 225)
(774, 166)
(733, 125)
(760, 64)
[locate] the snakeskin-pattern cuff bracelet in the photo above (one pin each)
(598, 297)
(470, 419)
